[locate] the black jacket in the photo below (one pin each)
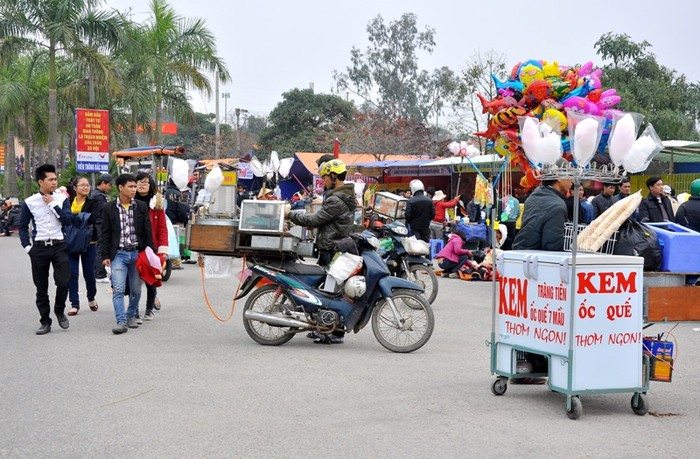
(601, 203)
(335, 220)
(650, 211)
(101, 199)
(420, 211)
(94, 208)
(688, 214)
(111, 229)
(543, 221)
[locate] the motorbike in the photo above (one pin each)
(404, 262)
(293, 302)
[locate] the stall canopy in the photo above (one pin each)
(479, 161)
(682, 156)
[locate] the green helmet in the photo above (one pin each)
(695, 187)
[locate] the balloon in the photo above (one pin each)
(510, 84)
(622, 139)
(586, 138)
(495, 105)
(180, 172)
(529, 72)
(286, 166)
(508, 116)
(554, 114)
(579, 104)
(529, 181)
(454, 148)
(214, 179)
(537, 91)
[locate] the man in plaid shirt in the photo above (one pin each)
(126, 230)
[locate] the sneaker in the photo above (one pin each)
(119, 329)
(156, 304)
(454, 276)
(102, 280)
(139, 320)
(149, 315)
(313, 335)
(329, 339)
(131, 322)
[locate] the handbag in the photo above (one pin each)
(79, 234)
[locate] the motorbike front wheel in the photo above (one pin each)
(425, 278)
(266, 299)
(415, 322)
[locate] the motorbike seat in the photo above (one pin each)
(303, 269)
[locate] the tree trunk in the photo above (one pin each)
(133, 138)
(159, 110)
(28, 166)
(10, 166)
(53, 107)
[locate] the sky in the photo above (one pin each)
(273, 46)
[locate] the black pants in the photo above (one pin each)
(422, 234)
(42, 259)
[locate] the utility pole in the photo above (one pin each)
(217, 132)
(225, 95)
(238, 129)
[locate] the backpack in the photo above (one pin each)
(78, 234)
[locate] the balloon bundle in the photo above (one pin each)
(271, 168)
(545, 111)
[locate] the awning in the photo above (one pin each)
(481, 160)
(141, 152)
(679, 151)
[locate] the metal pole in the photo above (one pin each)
(226, 95)
(217, 133)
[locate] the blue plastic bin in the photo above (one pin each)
(680, 247)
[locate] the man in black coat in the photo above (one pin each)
(688, 213)
(126, 230)
(656, 207)
(420, 211)
(544, 217)
(101, 197)
(604, 200)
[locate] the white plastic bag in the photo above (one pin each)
(217, 267)
(344, 266)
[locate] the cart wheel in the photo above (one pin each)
(639, 404)
(576, 408)
(499, 386)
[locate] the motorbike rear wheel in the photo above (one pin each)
(424, 277)
(263, 300)
(416, 322)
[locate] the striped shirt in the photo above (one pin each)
(127, 237)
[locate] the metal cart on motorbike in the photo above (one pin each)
(154, 161)
(287, 296)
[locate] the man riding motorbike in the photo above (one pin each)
(334, 221)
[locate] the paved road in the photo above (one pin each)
(186, 385)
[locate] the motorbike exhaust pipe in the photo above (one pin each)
(274, 319)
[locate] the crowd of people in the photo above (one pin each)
(120, 229)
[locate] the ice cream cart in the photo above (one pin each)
(594, 346)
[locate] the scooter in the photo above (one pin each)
(293, 302)
(401, 263)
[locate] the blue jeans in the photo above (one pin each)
(87, 260)
(123, 266)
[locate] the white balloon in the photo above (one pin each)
(622, 139)
(454, 148)
(214, 179)
(472, 151)
(274, 161)
(585, 141)
(180, 170)
(285, 166)
(257, 167)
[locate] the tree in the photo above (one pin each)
(666, 99)
(175, 51)
(304, 121)
(62, 27)
(386, 77)
(476, 79)
(374, 133)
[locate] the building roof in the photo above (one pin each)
(308, 159)
(679, 151)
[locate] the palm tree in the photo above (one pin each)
(175, 52)
(12, 94)
(62, 27)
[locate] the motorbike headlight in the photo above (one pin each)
(400, 230)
